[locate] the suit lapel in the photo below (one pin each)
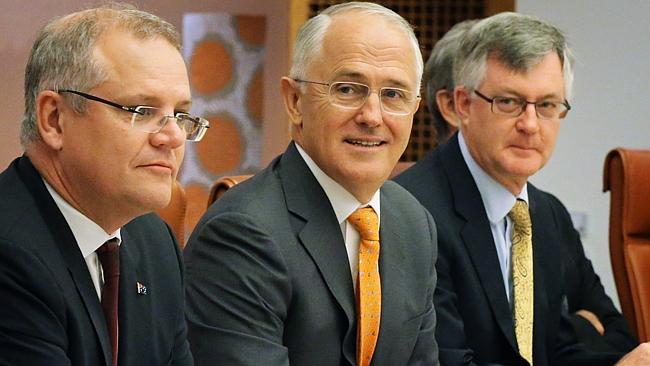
(320, 235)
(134, 308)
(391, 269)
(543, 257)
(65, 241)
(477, 236)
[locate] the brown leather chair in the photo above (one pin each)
(627, 177)
(221, 185)
(174, 213)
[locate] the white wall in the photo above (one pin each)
(611, 107)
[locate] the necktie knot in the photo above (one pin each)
(109, 257)
(520, 215)
(366, 222)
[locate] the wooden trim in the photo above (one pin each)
(497, 6)
(298, 14)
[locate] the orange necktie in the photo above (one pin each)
(368, 283)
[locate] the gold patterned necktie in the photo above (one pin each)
(522, 274)
(368, 283)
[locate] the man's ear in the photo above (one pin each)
(49, 119)
(445, 101)
(462, 101)
(292, 103)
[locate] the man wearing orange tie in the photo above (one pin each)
(317, 260)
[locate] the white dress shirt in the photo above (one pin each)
(89, 237)
(498, 201)
(344, 204)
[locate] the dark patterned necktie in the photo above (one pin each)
(109, 256)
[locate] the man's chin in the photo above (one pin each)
(524, 172)
(155, 199)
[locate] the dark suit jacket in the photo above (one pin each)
(585, 291)
(49, 310)
(475, 324)
(269, 281)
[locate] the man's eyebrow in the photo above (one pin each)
(520, 95)
(153, 101)
(356, 76)
(186, 104)
(142, 99)
(398, 83)
(348, 75)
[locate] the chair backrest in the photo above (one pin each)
(221, 185)
(627, 177)
(174, 213)
(400, 167)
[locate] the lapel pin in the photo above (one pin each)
(142, 289)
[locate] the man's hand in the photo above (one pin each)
(639, 356)
(593, 319)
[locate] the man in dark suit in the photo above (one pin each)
(513, 77)
(87, 277)
(277, 274)
(598, 324)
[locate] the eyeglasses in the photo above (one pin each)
(351, 95)
(152, 120)
(514, 107)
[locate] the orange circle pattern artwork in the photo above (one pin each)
(220, 150)
(255, 97)
(225, 57)
(251, 29)
(211, 67)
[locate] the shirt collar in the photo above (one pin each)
(498, 201)
(87, 233)
(342, 201)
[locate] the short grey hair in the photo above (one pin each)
(62, 55)
(439, 73)
(309, 41)
(519, 41)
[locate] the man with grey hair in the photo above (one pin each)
(598, 324)
(439, 81)
(500, 294)
(87, 275)
(317, 260)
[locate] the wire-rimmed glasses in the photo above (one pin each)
(514, 107)
(353, 95)
(152, 120)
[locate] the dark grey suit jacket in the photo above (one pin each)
(49, 310)
(475, 324)
(269, 280)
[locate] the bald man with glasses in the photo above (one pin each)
(317, 260)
